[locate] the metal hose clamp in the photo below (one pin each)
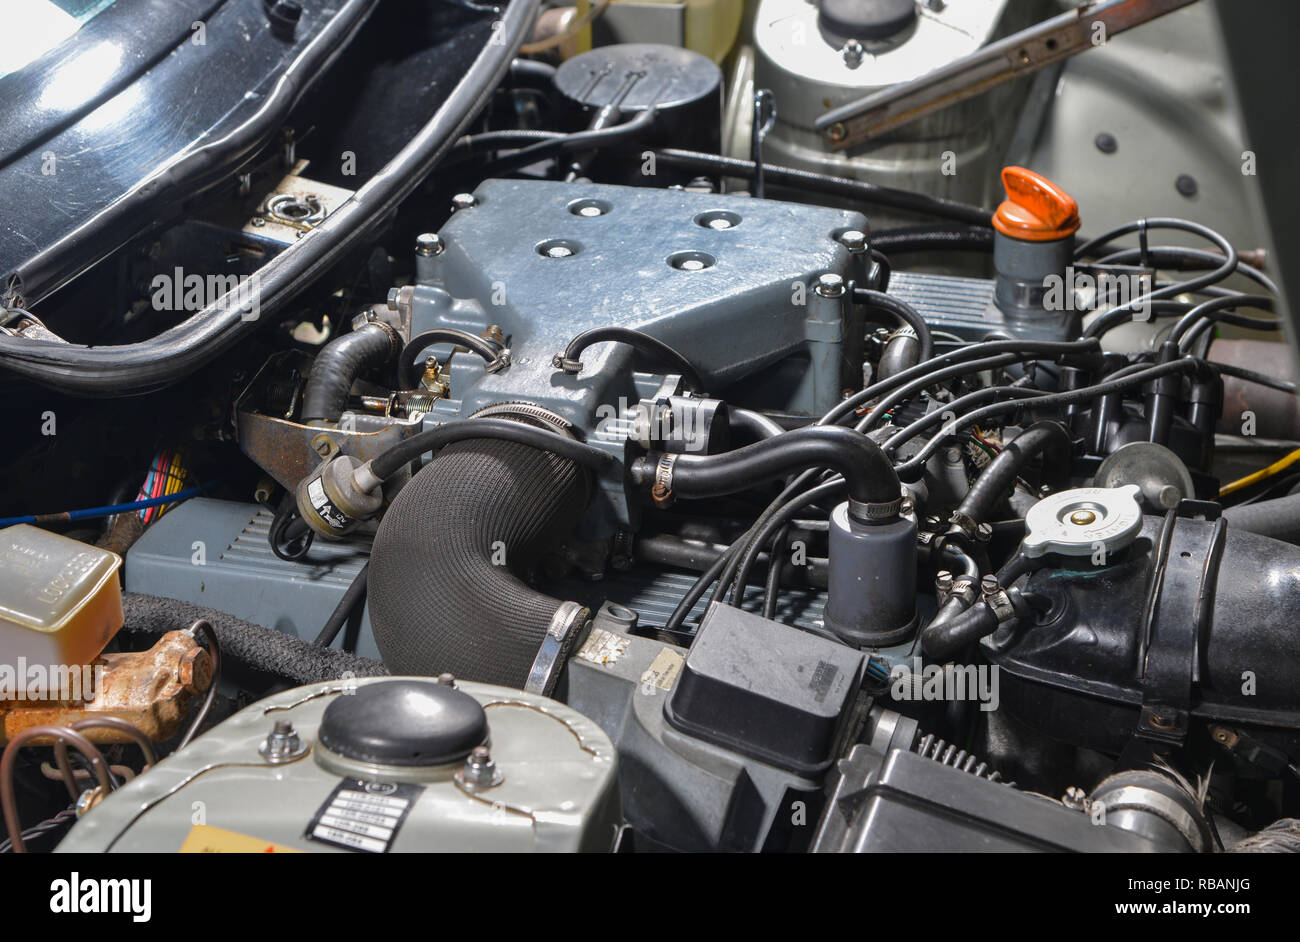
(562, 633)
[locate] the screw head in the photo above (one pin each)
(1082, 518)
(428, 244)
(282, 744)
(830, 285)
(479, 771)
(853, 53)
(854, 240)
(463, 201)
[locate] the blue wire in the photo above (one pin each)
(91, 513)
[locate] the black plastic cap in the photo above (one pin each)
(765, 690)
(404, 723)
(867, 19)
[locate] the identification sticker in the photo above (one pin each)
(205, 839)
(663, 670)
(324, 506)
(363, 816)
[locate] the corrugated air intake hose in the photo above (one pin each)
(447, 571)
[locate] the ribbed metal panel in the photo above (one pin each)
(654, 595)
(959, 305)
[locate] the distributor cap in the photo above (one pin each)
(1079, 521)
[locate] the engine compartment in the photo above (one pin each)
(637, 449)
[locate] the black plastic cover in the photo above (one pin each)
(766, 690)
(404, 723)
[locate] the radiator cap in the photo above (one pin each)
(1080, 521)
(404, 723)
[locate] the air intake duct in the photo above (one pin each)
(447, 589)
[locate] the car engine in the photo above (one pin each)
(793, 425)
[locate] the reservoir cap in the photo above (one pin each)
(404, 723)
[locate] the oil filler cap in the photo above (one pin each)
(1036, 209)
(1080, 521)
(404, 723)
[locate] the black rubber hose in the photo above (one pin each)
(423, 341)
(570, 360)
(831, 186)
(133, 368)
(337, 366)
(755, 424)
(447, 589)
(1049, 439)
(945, 638)
(387, 463)
(909, 315)
(933, 239)
(246, 647)
(1278, 518)
(867, 472)
(533, 73)
(352, 598)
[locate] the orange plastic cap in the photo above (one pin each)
(1036, 209)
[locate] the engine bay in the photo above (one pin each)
(788, 426)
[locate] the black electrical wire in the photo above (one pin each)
(1028, 349)
(288, 536)
(1252, 376)
(933, 239)
(130, 369)
(1178, 258)
(1205, 315)
(712, 164)
(737, 572)
(578, 141)
(67, 816)
(485, 349)
(955, 408)
(912, 468)
(910, 316)
(353, 598)
(387, 463)
(891, 401)
(1142, 226)
(696, 592)
(775, 561)
(639, 341)
(1161, 307)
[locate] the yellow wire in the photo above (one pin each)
(1280, 465)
